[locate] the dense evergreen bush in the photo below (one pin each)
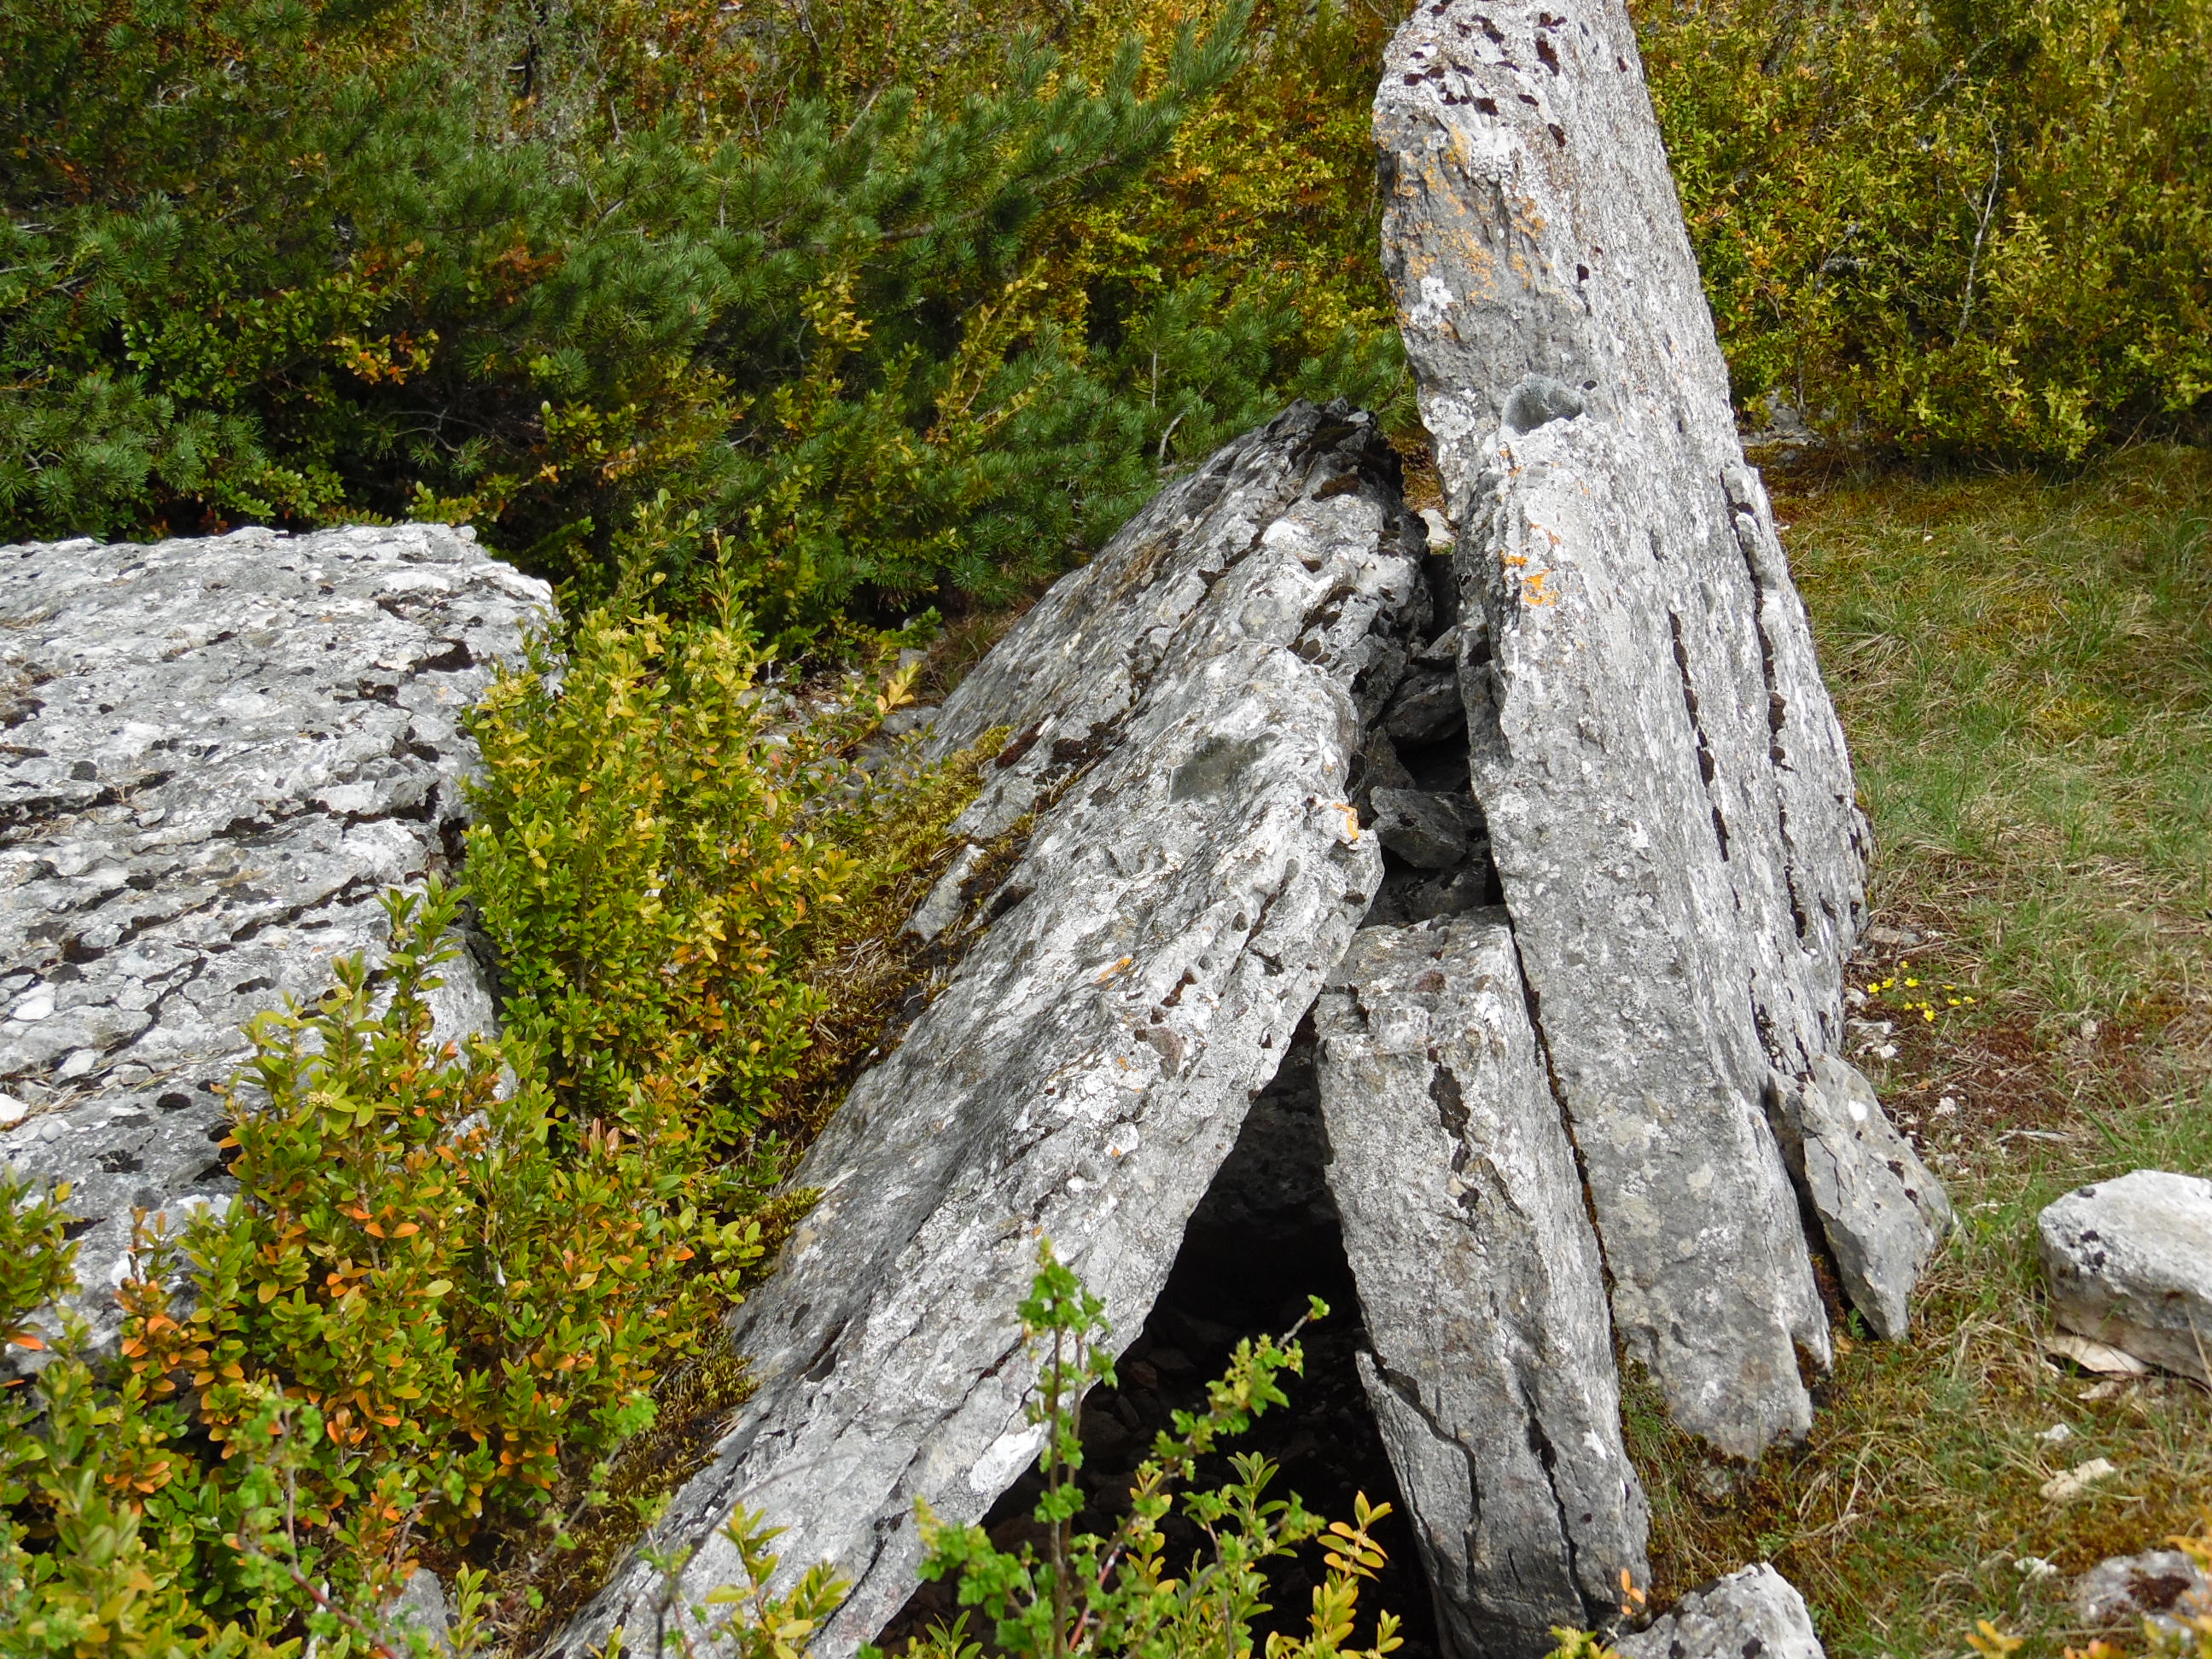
(627, 291)
(1973, 226)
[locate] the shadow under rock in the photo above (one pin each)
(1265, 1238)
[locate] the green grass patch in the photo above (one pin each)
(2025, 669)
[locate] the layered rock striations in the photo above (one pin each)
(1668, 795)
(1185, 712)
(221, 753)
(1492, 1375)
(1568, 836)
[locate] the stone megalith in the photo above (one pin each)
(1667, 794)
(221, 752)
(1492, 1375)
(1185, 711)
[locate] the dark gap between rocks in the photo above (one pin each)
(1264, 1238)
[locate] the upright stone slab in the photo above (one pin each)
(221, 753)
(1667, 794)
(1493, 1376)
(1185, 709)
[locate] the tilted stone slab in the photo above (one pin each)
(221, 753)
(1881, 1208)
(1185, 708)
(1493, 1376)
(1668, 792)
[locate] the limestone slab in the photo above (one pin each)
(1668, 792)
(1185, 709)
(220, 752)
(1492, 1375)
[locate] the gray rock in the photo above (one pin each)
(1753, 1613)
(1492, 1374)
(2164, 1586)
(1187, 707)
(419, 1615)
(1668, 795)
(1408, 897)
(221, 752)
(1427, 708)
(2130, 1263)
(1429, 831)
(1881, 1211)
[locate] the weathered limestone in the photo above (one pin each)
(220, 752)
(2130, 1263)
(1668, 795)
(1492, 1374)
(1186, 709)
(2167, 1587)
(1880, 1209)
(1753, 1613)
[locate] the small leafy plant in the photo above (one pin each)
(1089, 1595)
(1119, 1594)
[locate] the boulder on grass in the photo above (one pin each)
(1753, 1613)
(2130, 1264)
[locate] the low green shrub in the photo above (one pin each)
(627, 287)
(455, 1273)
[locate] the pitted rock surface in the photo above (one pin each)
(1667, 791)
(220, 753)
(1185, 709)
(1882, 1209)
(1491, 1375)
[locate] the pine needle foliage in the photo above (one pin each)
(618, 287)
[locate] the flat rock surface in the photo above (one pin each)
(1492, 1375)
(1669, 797)
(2130, 1263)
(220, 753)
(2166, 1586)
(1754, 1614)
(1185, 710)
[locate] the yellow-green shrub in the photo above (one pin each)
(453, 1273)
(1981, 226)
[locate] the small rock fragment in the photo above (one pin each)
(1429, 830)
(2130, 1264)
(2062, 1488)
(2099, 1356)
(2164, 1586)
(1880, 1210)
(420, 1610)
(1753, 1613)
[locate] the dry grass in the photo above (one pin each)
(2025, 669)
